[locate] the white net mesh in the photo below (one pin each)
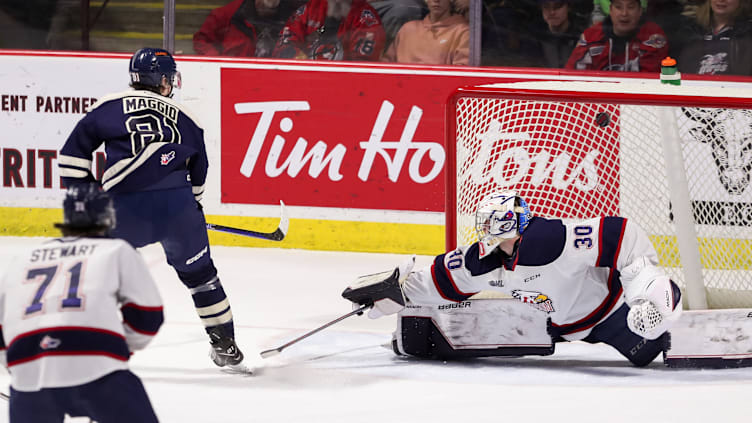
(575, 160)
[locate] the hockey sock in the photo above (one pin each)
(211, 304)
(213, 307)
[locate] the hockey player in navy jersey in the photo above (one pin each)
(595, 280)
(155, 171)
(72, 311)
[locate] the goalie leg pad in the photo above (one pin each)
(711, 339)
(473, 328)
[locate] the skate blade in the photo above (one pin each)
(237, 369)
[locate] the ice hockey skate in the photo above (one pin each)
(226, 354)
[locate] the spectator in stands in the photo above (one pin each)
(462, 7)
(720, 40)
(666, 13)
(244, 28)
(622, 42)
(559, 34)
(394, 13)
(506, 39)
(441, 38)
(24, 24)
(332, 30)
(601, 8)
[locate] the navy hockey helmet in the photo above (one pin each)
(148, 66)
(87, 206)
(500, 215)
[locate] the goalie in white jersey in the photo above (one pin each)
(72, 311)
(595, 280)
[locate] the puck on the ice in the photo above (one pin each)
(603, 119)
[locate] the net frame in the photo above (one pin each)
(684, 253)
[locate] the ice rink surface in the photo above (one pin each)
(345, 374)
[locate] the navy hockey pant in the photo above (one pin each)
(615, 332)
(113, 398)
(173, 218)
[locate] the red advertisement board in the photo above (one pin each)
(335, 138)
(559, 156)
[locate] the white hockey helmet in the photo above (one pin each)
(500, 215)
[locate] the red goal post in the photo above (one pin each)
(675, 159)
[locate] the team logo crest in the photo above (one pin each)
(368, 18)
(727, 132)
(501, 224)
(49, 343)
(655, 41)
(713, 63)
(536, 299)
(166, 158)
(596, 50)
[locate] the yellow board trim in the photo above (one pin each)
(308, 234)
(27, 221)
(372, 237)
(334, 235)
(716, 253)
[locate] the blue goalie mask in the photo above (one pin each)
(88, 206)
(149, 65)
(501, 215)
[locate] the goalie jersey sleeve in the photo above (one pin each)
(569, 271)
(150, 142)
(73, 310)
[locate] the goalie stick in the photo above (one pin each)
(276, 235)
(274, 351)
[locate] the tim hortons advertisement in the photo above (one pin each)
(558, 156)
(334, 139)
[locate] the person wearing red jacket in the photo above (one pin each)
(243, 28)
(333, 30)
(622, 42)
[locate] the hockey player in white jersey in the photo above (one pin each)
(595, 280)
(72, 311)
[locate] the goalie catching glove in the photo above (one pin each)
(383, 290)
(653, 298)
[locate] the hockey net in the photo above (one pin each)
(676, 160)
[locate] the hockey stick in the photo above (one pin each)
(275, 351)
(277, 235)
